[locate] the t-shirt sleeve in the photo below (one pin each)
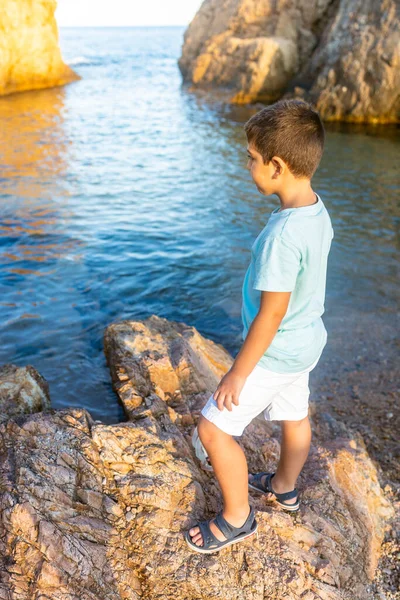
(276, 266)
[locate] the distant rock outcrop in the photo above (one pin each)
(341, 55)
(29, 51)
(93, 512)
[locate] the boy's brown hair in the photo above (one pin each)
(291, 129)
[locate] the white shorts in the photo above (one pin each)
(282, 397)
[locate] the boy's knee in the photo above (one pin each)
(297, 423)
(208, 432)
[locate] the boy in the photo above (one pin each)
(284, 335)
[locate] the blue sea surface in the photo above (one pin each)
(125, 194)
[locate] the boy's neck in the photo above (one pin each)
(300, 195)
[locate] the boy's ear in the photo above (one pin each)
(278, 166)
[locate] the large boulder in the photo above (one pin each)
(344, 56)
(30, 57)
(91, 511)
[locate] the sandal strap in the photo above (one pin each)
(257, 478)
(265, 487)
(209, 538)
(287, 495)
(231, 531)
(226, 528)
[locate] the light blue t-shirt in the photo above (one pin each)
(290, 255)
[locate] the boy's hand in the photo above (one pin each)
(228, 390)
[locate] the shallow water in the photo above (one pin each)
(124, 195)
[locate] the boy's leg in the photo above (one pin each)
(295, 446)
(230, 468)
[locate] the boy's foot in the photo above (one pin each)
(263, 483)
(197, 538)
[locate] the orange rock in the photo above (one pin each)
(30, 55)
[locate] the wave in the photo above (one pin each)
(79, 60)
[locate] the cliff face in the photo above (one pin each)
(342, 55)
(30, 57)
(98, 512)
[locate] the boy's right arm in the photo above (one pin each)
(273, 307)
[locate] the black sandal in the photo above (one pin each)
(257, 485)
(232, 534)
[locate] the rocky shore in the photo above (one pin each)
(95, 511)
(29, 50)
(341, 56)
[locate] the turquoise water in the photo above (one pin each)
(124, 195)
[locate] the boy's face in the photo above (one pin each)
(267, 177)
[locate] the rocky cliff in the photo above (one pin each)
(341, 55)
(30, 57)
(93, 511)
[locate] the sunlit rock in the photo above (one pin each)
(29, 51)
(342, 56)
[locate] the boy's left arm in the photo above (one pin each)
(273, 307)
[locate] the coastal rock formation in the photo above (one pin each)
(30, 55)
(343, 56)
(95, 511)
